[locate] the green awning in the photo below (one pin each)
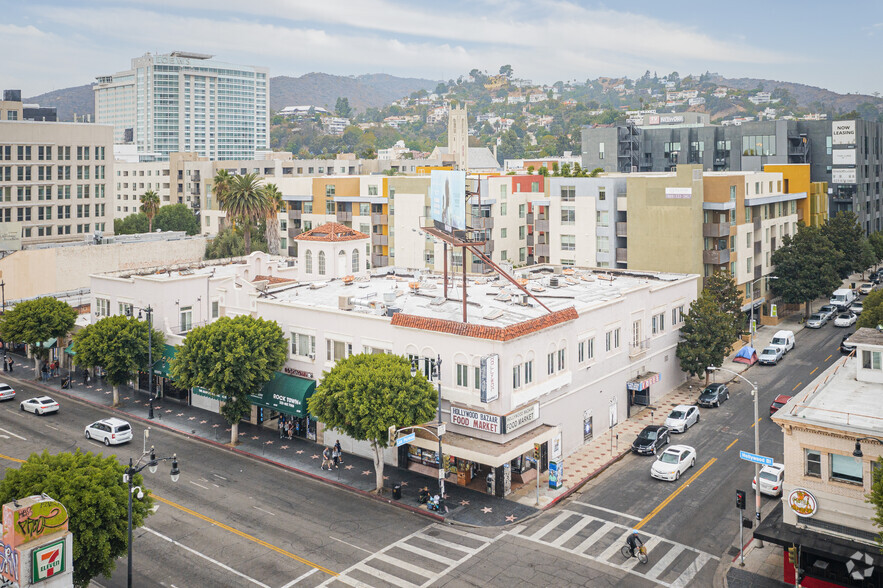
(49, 343)
(286, 394)
(161, 366)
(70, 349)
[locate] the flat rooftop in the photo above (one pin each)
(491, 300)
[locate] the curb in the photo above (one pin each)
(364, 493)
(584, 481)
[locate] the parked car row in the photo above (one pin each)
(781, 343)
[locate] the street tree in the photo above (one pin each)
(231, 358)
(706, 336)
(876, 241)
(722, 287)
(867, 256)
(246, 203)
(36, 321)
(872, 311)
(150, 206)
(805, 267)
(364, 395)
(221, 186)
(845, 234)
(118, 344)
(876, 496)
(275, 205)
(91, 488)
(177, 217)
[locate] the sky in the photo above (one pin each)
(53, 44)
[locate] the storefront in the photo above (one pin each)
(283, 403)
(638, 389)
(163, 384)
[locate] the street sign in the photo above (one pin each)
(441, 429)
(754, 458)
(411, 436)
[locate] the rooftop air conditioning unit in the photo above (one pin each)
(345, 302)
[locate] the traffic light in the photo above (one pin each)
(792, 556)
(536, 451)
(740, 499)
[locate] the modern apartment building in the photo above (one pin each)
(844, 154)
(187, 102)
(54, 181)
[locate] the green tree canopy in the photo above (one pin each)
(36, 321)
(150, 206)
(130, 225)
(876, 242)
(231, 358)
(229, 243)
(872, 311)
(805, 267)
(275, 205)
(722, 287)
(706, 336)
(876, 496)
(91, 488)
(342, 107)
(119, 345)
(246, 204)
(845, 234)
(364, 395)
(177, 217)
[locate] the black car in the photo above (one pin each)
(714, 395)
(651, 439)
(846, 347)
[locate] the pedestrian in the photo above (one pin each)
(339, 451)
(326, 458)
(5, 364)
(335, 457)
(85, 376)
(290, 429)
(44, 372)
(11, 362)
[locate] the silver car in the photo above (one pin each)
(6, 392)
(682, 417)
(817, 320)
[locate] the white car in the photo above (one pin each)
(845, 319)
(770, 356)
(6, 392)
(771, 478)
(866, 288)
(857, 307)
(673, 462)
(682, 417)
(41, 405)
(112, 431)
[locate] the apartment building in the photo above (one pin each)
(55, 182)
(832, 448)
(184, 101)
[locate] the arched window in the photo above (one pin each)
(341, 263)
(321, 263)
(355, 261)
(308, 261)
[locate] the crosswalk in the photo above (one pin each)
(671, 564)
(414, 561)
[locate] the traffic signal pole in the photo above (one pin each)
(740, 506)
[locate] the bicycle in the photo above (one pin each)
(642, 553)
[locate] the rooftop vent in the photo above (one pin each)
(494, 314)
(437, 301)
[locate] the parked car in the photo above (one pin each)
(112, 431)
(845, 345)
(857, 307)
(842, 298)
(771, 478)
(682, 417)
(714, 395)
(770, 356)
(845, 319)
(673, 462)
(780, 401)
(829, 310)
(866, 288)
(651, 439)
(817, 320)
(40, 405)
(6, 392)
(783, 340)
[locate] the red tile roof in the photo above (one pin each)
(272, 279)
(482, 331)
(331, 232)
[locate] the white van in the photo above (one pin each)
(842, 298)
(784, 340)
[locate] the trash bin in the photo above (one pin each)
(397, 492)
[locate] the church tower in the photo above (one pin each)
(458, 136)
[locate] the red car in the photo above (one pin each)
(778, 403)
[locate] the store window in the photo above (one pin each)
(845, 468)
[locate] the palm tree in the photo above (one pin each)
(150, 206)
(221, 185)
(246, 203)
(276, 205)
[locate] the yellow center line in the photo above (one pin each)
(829, 357)
(752, 424)
(798, 385)
(672, 496)
(245, 535)
(814, 371)
(15, 459)
(731, 444)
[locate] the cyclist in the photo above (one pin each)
(634, 542)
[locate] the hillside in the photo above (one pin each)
(806, 96)
(319, 89)
(79, 100)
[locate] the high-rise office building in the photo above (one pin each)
(187, 102)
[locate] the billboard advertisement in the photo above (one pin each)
(843, 176)
(843, 156)
(843, 132)
(447, 193)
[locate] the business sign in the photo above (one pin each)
(754, 458)
(169, 60)
(844, 175)
(843, 156)
(490, 378)
(519, 418)
(447, 192)
(843, 132)
(48, 561)
(678, 193)
(643, 382)
(664, 120)
(474, 419)
(802, 502)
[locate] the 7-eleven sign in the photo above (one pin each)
(48, 561)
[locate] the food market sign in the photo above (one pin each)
(475, 419)
(802, 502)
(519, 418)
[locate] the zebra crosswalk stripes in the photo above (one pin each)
(672, 564)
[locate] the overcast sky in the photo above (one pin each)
(51, 44)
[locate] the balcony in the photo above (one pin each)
(379, 219)
(638, 349)
(758, 247)
(344, 216)
(487, 248)
(542, 250)
(542, 225)
(622, 229)
(715, 229)
(379, 239)
(716, 256)
(530, 239)
(379, 260)
(294, 232)
(530, 218)
(622, 255)
(758, 272)
(294, 214)
(481, 223)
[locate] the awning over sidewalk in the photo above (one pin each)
(49, 343)
(161, 366)
(286, 394)
(486, 452)
(70, 349)
(643, 381)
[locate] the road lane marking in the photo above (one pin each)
(205, 557)
(829, 357)
(219, 476)
(674, 494)
(350, 544)
(13, 434)
(200, 485)
(752, 424)
(611, 511)
(245, 535)
(15, 459)
(814, 371)
(264, 511)
(299, 578)
(731, 444)
(799, 384)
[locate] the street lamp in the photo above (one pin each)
(129, 478)
(754, 392)
(751, 328)
(435, 375)
(858, 445)
(149, 311)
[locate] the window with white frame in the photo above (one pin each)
(476, 377)
(186, 316)
(585, 350)
(462, 375)
(375, 350)
(216, 308)
(568, 193)
(303, 344)
(125, 309)
(562, 354)
(845, 468)
(871, 360)
(550, 363)
(568, 215)
(657, 323)
(308, 261)
(611, 339)
(528, 372)
(813, 460)
(516, 376)
(102, 307)
(337, 350)
(321, 263)
(568, 242)
(677, 315)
